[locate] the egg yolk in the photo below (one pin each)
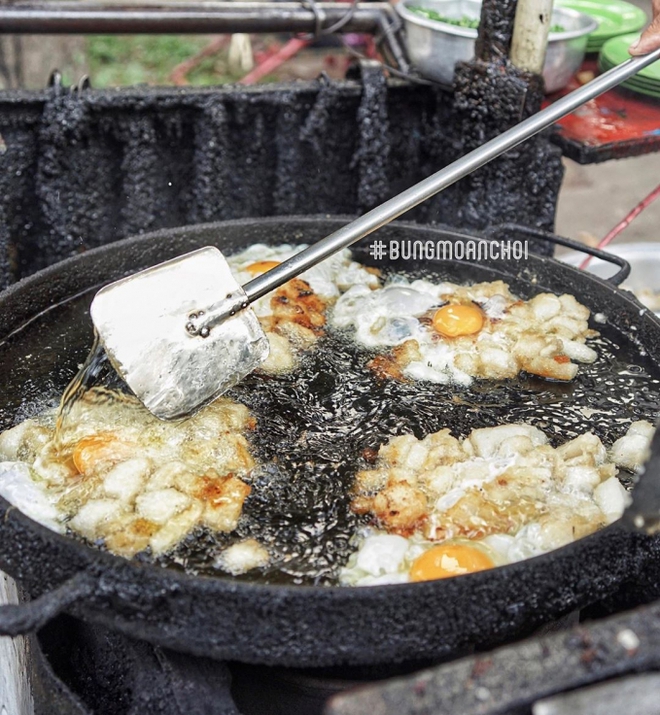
(452, 321)
(256, 269)
(449, 560)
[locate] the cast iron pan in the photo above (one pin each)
(318, 625)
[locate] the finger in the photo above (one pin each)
(649, 41)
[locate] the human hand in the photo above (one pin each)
(650, 39)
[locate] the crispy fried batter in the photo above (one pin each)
(400, 508)
(391, 365)
(296, 302)
(122, 476)
(495, 481)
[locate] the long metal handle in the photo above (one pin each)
(394, 207)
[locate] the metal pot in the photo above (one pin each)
(308, 626)
(435, 47)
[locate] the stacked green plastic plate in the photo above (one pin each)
(614, 17)
(615, 51)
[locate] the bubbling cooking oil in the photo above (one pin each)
(315, 425)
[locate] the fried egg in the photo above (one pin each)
(443, 507)
(117, 475)
(328, 279)
(449, 333)
(449, 560)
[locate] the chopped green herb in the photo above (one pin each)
(464, 21)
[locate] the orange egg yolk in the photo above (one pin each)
(452, 321)
(449, 560)
(256, 269)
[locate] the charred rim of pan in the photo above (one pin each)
(81, 273)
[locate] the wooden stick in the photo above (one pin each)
(15, 692)
(530, 34)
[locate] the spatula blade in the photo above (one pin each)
(141, 321)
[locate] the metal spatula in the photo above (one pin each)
(182, 333)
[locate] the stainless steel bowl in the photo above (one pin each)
(435, 47)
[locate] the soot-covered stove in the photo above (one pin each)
(84, 167)
(600, 666)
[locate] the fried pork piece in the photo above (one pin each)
(123, 477)
(632, 450)
(242, 557)
(496, 481)
(295, 323)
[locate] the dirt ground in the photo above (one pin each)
(595, 198)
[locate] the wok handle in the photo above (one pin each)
(22, 618)
(537, 233)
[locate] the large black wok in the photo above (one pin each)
(320, 625)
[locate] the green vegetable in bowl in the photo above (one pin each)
(465, 21)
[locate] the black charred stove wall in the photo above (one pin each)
(81, 169)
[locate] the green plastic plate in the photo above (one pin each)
(638, 84)
(603, 65)
(615, 51)
(615, 17)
